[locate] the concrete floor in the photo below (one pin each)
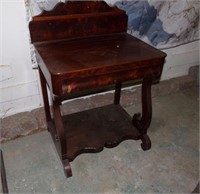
(171, 166)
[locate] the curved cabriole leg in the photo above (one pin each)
(142, 123)
(67, 168)
(146, 142)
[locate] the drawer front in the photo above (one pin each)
(80, 84)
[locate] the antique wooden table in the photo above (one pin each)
(82, 45)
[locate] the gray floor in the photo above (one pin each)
(171, 166)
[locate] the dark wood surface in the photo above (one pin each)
(84, 63)
(3, 174)
(196, 190)
(92, 130)
(96, 55)
(77, 19)
(83, 45)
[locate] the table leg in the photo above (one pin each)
(118, 87)
(196, 190)
(142, 123)
(45, 96)
(67, 168)
(60, 137)
(3, 174)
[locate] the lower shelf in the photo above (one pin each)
(92, 130)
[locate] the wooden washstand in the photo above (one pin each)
(83, 45)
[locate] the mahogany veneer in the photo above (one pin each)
(82, 45)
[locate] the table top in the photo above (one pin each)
(97, 55)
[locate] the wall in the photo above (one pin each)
(19, 88)
(18, 82)
(180, 59)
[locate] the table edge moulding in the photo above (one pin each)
(83, 45)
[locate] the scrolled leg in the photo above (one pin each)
(142, 123)
(67, 168)
(146, 142)
(136, 120)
